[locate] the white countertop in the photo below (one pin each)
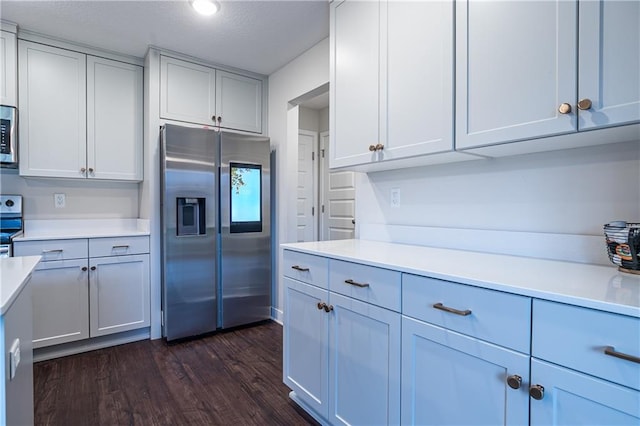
(82, 228)
(592, 286)
(14, 274)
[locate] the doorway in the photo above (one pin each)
(325, 200)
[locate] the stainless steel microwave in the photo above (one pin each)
(8, 136)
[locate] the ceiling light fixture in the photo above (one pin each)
(205, 7)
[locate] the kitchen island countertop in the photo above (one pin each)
(14, 274)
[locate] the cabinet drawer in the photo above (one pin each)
(118, 246)
(373, 285)
(494, 316)
(52, 249)
(305, 267)
(578, 337)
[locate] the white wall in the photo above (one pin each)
(573, 191)
(85, 199)
(323, 125)
(304, 74)
(309, 119)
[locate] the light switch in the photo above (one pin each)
(14, 358)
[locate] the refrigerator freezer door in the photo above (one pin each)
(245, 198)
(189, 231)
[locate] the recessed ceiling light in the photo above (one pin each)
(205, 7)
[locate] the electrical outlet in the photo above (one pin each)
(59, 201)
(394, 199)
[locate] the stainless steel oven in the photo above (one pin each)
(8, 136)
(10, 222)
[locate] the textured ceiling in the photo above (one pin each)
(259, 36)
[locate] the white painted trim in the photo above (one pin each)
(315, 172)
(566, 247)
(277, 315)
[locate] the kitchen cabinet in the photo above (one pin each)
(88, 125)
(585, 367)
(85, 288)
(198, 94)
(8, 70)
(518, 76)
(341, 354)
(455, 359)
(382, 109)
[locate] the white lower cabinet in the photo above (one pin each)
(341, 355)
(82, 289)
(452, 379)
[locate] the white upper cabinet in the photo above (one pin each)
(609, 63)
(80, 116)
(114, 125)
(8, 67)
(528, 70)
(516, 65)
(53, 129)
(197, 94)
(391, 80)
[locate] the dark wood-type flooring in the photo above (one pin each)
(229, 378)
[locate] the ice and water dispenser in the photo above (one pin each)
(191, 216)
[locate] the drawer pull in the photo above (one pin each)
(300, 268)
(536, 392)
(352, 282)
(328, 308)
(451, 310)
(321, 305)
(514, 381)
(52, 251)
(609, 350)
(84, 269)
(121, 247)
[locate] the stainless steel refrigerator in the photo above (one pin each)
(216, 236)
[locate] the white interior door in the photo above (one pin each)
(338, 198)
(307, 186)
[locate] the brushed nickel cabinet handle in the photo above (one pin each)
(514, 381)
(52, 251)
(564, 108)
(536, 392)
(372, 148)
(328, 308)
(451, 310)
(124, 246)
(610, 350)
(584, 104)
(300, 268)
(379, 147)
(352, 282)
(321, 305)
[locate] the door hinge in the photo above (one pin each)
(313, 156)
(323, 208)
(322, 152)
(162, 318)
(313, 211)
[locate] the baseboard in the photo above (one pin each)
(294, 397)
(567, 247)
(72, 348)
(277, 315)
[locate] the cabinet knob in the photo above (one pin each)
(328, 308)
(321, 305)
(83, 170)
(584, 104)
(536, 392)
(90, 170)
(213, 118)
(379, 147)
(84, 268)
(93, 268)
(372, 148)
(514, 381)
(219, 119)
(564, 108)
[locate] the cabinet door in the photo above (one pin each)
(119, 294)
(239, 102)
(60, 302)
(8, 67)
(306, 348)
(114, 120)
(515, 65)
(452, 379)
(354, 67)
(364, 364)
(187, 91)
(52, 94)
(609, 63)
(573, 398)
(419, 78)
